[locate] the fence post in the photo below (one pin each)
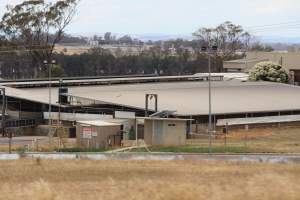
(246, 135)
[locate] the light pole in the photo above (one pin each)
(209, 50)
(50, 65)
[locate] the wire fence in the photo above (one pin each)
(255, 140)
(35, 144)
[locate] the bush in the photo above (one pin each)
(269, 71)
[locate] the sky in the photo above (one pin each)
(181, 17)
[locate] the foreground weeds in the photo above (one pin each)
(166, 180)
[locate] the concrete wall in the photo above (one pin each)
(148, 130)
(76, 116)
(165, 133)
(24, 115)
(104, 133)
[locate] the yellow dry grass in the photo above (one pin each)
(71, 50)
(268, 140)
(139, 180)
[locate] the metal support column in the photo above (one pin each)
(59, 101)
(3, 111)
(146, 105)
(209, 104)
(150, 96)
(3, 119)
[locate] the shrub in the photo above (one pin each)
(269, 71)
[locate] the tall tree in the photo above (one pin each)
(227, 36)
(36, 27)
(107, 37)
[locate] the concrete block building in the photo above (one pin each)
(165, 132)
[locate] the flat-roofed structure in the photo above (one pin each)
(242, 65)
(165, 131)
(186, 98)
(71, 82)
(185, 95)
(98, 134)
(289, 60)
(259, 120)
(182, 97)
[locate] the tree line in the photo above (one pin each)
(29, 32)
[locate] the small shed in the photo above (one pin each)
(98, 134)
(165, 131)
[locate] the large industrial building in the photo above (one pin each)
(123, 100)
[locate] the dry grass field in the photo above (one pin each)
(71, 50)
(138, 180)
(268, 140)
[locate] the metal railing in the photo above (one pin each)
(22, 123)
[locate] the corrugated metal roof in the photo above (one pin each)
(33, 96)
(187, 98)
(229, 76)
(99, 123)
(106, 81)
(191, 98)
(163, 119)
(246, 60)
(259, 120)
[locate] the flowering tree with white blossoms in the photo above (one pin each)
(269, 71)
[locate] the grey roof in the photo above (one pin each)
(99, 123)
(32, 96)
(108, 81)
(191, 98)
(228, 76)
(164, 119)
(259, 120)
(247, 60)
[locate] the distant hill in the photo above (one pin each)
(143, 37)
(279, 39)
(163, 37)
(159, 36)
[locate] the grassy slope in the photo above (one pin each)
(168, 180)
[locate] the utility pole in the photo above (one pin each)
(209, 103)
(209, 50)
(50, 65)
(3, 111)
(3, 119)
(59, 100)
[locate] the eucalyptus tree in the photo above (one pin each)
(36, 26)
(229, 38)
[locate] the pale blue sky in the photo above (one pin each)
(180, 16)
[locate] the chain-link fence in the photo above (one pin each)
(266, 139)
